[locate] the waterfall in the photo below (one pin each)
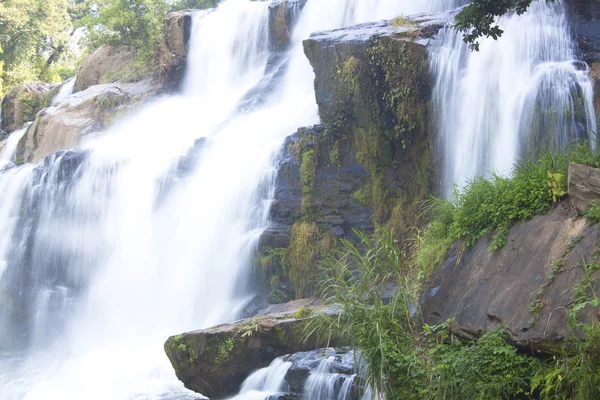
(108, 249)
(7, 153)
(265, 382)
(525, 91)
(66, 89)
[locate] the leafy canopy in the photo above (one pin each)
(479, 18)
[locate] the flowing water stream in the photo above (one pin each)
(524, 91)
(108, 249)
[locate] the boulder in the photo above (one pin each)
(23, 102)
(105, 65)
(62, 126)
(179, 28)
(215, 361)
(524, 287)
(584, 187)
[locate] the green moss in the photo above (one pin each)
(224, 352)
(303, 312)
(30, 103)
(278, 297)
(307, 245)
(308, 175)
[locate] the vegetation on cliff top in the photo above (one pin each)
(37, 38)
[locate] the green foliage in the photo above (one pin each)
(193, 4)
(494, 205)
(593, 214)
(404, 358)
(308, 175)
(487, 368)
(34, 39)
(137, 24)
(250, 327)
(224, 351)
(307, 245)
(479, 18)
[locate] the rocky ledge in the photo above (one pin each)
(526, 286)
(215, 361)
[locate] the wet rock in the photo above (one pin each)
(62, 126)
(524, 287)
(179, 28)
(23, 102)
(335, 208)
(373, 89)
(215, 361)
(584, 187)
(283, 15)
(584, 21)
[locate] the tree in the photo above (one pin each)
(33, 34)
(134, 23)
(479, 18)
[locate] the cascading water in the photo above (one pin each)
(522, 92)
(66, 89)
(107, 250)
(7, 152)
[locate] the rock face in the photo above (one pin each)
(107, 64)
(216, 361)
(373, 90)
(524, 287)
(584, 187)
(23, 102)
(335, 209)
(283, 15)
(62, 126)
(584, 20)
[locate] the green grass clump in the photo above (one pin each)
(495, 204)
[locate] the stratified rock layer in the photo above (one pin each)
(524, 287)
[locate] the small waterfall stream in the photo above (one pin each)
(66, 89)
(525, 91)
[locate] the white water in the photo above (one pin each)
(125, 251)
(519, 92)
(66, 89)
(324, 384)
(265, 382)
(9, 149)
